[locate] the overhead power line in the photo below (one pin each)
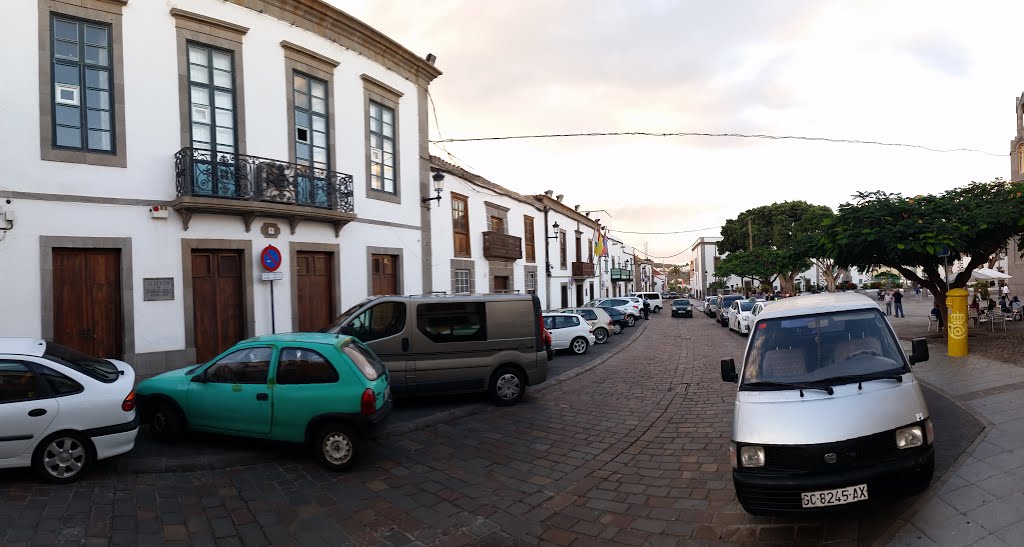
(664, 233)
(717, 135)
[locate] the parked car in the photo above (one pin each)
(653, 298)
(741, 316)
(326, 390)
(722, 308)
(709, 306)
(453, 344)
(827, 410)
(628, 306)
(618, 319)
(600, 321)
(569, 331)
(681, 307)
(62, 410)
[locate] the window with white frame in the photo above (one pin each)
(382, 148)
(461, 280)
(531, 282)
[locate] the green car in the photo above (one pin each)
(328, 390)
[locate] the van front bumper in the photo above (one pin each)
(779, 493)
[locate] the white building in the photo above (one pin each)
(617, 269)
(128, 238)
(568, 234)
(704, 260)
(485, 237)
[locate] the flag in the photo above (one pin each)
(599, 247)
(604, 243)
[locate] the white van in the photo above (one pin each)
(652, 297)
(827, 409)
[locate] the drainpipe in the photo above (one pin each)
(547, 261)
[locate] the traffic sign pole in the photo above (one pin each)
(271, 260)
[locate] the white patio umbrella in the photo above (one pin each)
(984, 274)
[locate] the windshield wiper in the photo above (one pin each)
(800, 386)
(861, 378)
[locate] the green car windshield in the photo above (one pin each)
(831, 348)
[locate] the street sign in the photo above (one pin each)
(943, 251)
(270, 258)
(272, 276)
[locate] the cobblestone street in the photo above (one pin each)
(632, 452)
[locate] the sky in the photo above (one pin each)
(935, 73)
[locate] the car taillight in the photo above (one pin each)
(368, 404)
(591, 331)
(128, 404)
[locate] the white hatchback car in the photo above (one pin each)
(742, 316)
(596, 318)
(628, 305)
(61, 410)
(569, 331)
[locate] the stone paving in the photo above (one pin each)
(633, 452)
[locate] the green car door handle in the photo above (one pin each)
(261, 397)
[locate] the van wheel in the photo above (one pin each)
(601, 335)
(579, 345)
(508, 385)
(630, 320)
(167, 423)
(62, 457)
(336, 446)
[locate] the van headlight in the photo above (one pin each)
(752, 456)
(909, 437)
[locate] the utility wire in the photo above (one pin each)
(665, 233)
(709, 134)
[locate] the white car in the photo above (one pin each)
(569, 331)
(741, 315)
(61, 410)
(596, 318)
(625, 304)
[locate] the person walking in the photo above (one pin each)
(1006, 290)
(647, 310)
(897, 300)
(917, 292)
(888, 303)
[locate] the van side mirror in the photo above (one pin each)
(919, 351)
(729, 370)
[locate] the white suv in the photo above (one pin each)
(596, 318)
(625, 304)
(652, 297)
(61, 410)
(569, 331)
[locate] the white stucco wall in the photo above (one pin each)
(152, 135)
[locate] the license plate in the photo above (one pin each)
(838, 496)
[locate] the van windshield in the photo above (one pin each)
(335, 327)
(829, 348)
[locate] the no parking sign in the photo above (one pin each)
(271, 260)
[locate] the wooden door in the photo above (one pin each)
(500, 283)
(218, 301)
(87, 313)
(384, 272)
(565, 296)
(579, 294)
(315, 280)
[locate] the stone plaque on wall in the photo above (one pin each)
(270, 230)
(158, 288)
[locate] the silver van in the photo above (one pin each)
(827, 411)
(453, 344)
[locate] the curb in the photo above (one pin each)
(477, 408)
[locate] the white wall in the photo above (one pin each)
(152, 131)
(443, 243)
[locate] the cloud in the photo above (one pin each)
(941, 55)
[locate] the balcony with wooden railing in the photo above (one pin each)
(583, 269)
(499, 246)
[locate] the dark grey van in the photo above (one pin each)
(453, 344)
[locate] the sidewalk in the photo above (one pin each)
(980, 500)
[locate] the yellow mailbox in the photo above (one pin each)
(956, 304)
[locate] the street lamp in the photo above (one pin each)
(438, 178)
(555, 226)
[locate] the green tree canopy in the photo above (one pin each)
(887, 229)
(785, 236)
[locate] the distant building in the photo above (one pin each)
(1014, 264)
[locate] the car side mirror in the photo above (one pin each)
(729, 370)
(200, 378)
(919, 351)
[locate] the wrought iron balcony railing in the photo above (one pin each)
(621, 274)
(206, 174)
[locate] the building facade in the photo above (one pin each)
(486, 238)
(572, 275)
(167, 147)
(704, 260)
(1014, 263)
(618, 267)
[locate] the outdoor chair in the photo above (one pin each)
(972, 316)
(998, 318)
(932, 320)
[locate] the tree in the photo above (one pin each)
(755, 264)
(887, 229)
(807, 241)
(780, 233)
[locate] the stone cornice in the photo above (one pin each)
(208, 21)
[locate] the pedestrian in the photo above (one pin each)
(917, 292)
(1006, 290)
(937, 314)
(888, 303)
(647, 310)
(975, 309)
(897, 300)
